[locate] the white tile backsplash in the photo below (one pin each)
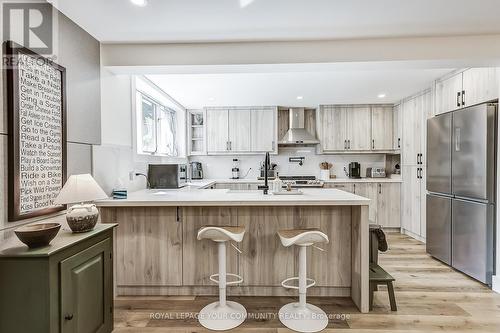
(113, 163)
(219, 167)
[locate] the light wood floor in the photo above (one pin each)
(431, 297)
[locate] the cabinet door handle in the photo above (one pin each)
(463, 97)
(273, 146)
(348, 144)
(373, 143)
(458, 99)
(379, 188)
(354, 187)
(68, 316)
(399, 142)
(345, 144)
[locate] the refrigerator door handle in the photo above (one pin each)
(457, 138)
(458, 99)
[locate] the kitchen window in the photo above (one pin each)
(157, 128)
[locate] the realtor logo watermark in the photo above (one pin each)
(31, 24)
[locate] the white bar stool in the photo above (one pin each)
(302, 316)
(222, 315)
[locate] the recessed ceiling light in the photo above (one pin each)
(140, 3)
(300, 97)
(211, 99)
(381, 95)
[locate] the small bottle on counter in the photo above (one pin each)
(277, 185)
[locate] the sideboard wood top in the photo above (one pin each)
(11, 246)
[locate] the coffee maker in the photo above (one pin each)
(354, 170)
(196, 170)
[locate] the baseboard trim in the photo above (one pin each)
(413, 235)
(495, 283)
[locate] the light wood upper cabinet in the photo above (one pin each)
(448, 94)
(397, 127)
(359, 128)
(333, 128)
(356, 127)
(239, 130)
(480, 85)
(263, 127)
(382, 127)
(412, 127)
(470, 87)
(217, 130)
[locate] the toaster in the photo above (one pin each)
(375, 172)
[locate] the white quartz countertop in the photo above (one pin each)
(195, 196)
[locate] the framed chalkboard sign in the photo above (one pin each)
(36, 105)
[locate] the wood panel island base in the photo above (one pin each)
(157, 253)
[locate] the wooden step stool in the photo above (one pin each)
(379, 276)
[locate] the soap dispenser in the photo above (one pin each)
(277, 185)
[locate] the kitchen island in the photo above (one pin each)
(157, 253)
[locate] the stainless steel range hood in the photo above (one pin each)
(297, 134)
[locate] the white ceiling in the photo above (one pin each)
(282, 88)
(238, 20)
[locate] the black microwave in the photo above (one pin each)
(164, 176)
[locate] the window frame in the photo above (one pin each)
(158, 108)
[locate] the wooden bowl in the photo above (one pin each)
(37, 235)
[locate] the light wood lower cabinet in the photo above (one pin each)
(385, 206)
(348, 187)
(389, 205)
(332, 267)
(148, 252)
(262, 247)
(200, 257)
(157, 250)
(370, 191)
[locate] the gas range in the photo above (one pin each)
(302, 181)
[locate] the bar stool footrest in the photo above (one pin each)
(296, 278)
(214, 278)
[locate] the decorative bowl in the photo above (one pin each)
(37, 235)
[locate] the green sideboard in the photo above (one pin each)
(66, 287)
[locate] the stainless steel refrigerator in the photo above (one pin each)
(461, 148)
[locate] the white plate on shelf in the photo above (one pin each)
(296, 192)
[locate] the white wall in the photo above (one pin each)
(117, 155)
(219, 167)
(79, 53)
